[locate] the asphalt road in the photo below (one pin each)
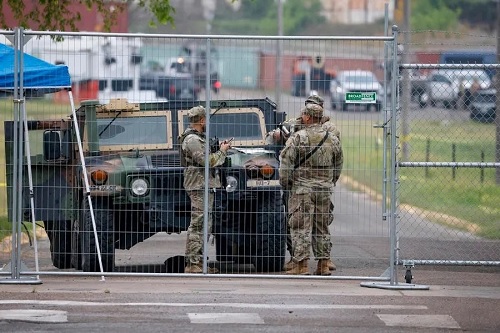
(221, 304)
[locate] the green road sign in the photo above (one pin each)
(361, 97)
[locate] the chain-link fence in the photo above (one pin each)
(448, 161)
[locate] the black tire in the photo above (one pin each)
(59, 233)
(76, 243)
(270, 234)
(223, 249)
(104, 226)
(408, 276)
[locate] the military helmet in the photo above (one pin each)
(314, 110)
(315, 99)
(197, 111)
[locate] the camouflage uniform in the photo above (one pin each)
(310, 209)
(193, 150)
(292, 126)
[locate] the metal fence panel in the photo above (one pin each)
(107, 66)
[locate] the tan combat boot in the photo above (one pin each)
(198, 269)
(289, 265)
(322, 268)
(299, 268)
(331, 265)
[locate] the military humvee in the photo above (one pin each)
(135, 178)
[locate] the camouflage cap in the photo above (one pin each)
(197, 111)
(315, 99)
(314, 110)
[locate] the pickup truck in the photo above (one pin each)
(171, 81)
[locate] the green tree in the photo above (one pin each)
(433, 15)
(260, 17)
(56, 15)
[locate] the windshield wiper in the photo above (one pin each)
(112, 120)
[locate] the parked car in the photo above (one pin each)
(355, 81)
(445, 86)
(483, 105)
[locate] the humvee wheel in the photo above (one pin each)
(104, 225)
(76, 243)
(270, 234)
(59, 233)
(223, 249)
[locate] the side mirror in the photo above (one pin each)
(52, 145)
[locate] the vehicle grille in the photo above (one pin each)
(171, 160)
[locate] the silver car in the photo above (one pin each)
(446, 86)
(353, 81)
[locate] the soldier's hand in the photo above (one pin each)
(279, 135)
(225, 145)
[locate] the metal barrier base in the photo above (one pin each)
(22, 280)
(397, 286)
(18, 280)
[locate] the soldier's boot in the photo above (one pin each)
(198, 269)
(289, 265)
(322, 268)
(331, 265)
(299, 268)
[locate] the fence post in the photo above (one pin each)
(453, 159)
(427, 156)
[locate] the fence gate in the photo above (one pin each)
(445, 172)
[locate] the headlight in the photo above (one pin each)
(231, 184)
(139, 187)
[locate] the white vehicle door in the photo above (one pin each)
(441, 88)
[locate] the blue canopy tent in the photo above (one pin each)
(38, 77)
(37, 74)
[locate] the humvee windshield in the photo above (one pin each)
(132, 131)
(241, 126)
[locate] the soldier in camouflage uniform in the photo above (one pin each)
(193, 143)
(311, 163)
(278, 136)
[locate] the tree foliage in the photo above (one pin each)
(433, 15)
(57, 15)
(260, 17)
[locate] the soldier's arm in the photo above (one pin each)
(282, 133)
(338, 161)
(287, 162)
(196, 146)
